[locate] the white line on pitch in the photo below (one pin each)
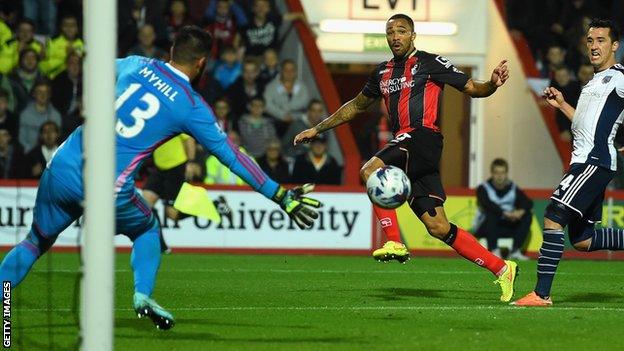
(319, 271)
(357, 308)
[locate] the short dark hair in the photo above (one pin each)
(49, 123)
(67, 16)
(222, 99)
(40, 82)
(250, 61)
(26, 50)
(190, 44)
(315, 101)
(405, 17)
(288, 61)
(257, 98)
(614, 31)
(499, 162)
(27, 21)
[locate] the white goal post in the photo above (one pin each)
(97, 290)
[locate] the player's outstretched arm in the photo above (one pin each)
(555, 99)
(344, 114)
(487, 88)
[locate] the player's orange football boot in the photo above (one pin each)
(533, 300)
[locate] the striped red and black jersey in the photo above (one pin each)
(411, 88)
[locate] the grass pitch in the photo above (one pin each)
(238, 302)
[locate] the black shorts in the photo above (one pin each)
(166, 184)
(418, 154)
(582, 190)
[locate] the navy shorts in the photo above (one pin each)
(582, 190)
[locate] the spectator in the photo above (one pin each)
(227, 121)
(585, 74)
(36, 113)
(577, 53)
(208, 87)
(256, 130)
(11, 155)
(534, 19)
(197, 10)
(555, 58)
(286, 97)
(23, 78)
(217, 173)
(145, 46)
(5, 85)
(134, 14)
(72, 120)
(24, 38)
(10, 13)
(245, 87)
(224, 18)
(59, 47)
(315, 114)
(5, 31)
(263, 29)
(573, 12)
(8, 120)
(274, 164)
(42, 13)
(38, 157)
(571, 90)
(228, 69)
(270, 66)
(176, 18)
(504, 210)
(67, 86)
(316, 166)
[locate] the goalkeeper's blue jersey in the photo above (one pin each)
(156, 102)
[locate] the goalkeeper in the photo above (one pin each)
(155, 102)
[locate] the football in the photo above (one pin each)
(388, 187)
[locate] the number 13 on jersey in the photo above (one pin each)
(140, 115)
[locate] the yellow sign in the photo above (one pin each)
(461, 211)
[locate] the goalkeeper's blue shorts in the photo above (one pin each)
(58, 205)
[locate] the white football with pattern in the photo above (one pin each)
(388, 187)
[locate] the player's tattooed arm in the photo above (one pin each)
(344, 114)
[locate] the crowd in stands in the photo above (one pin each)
(556, 33)
(256, 95)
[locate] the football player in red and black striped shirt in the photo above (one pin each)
(411, 85)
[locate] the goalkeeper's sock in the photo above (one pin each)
(389, 223)
(18, 261)
(468, 247)
(145, 260)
